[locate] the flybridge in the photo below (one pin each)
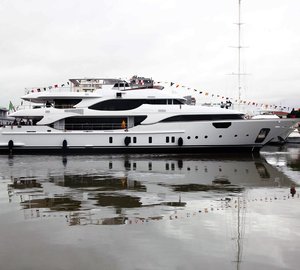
(92, 84)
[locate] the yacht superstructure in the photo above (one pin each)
(113, 115)
(4, 118)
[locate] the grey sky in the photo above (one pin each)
(45, 42)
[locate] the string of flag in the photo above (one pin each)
(177, 85)
(41, 89)
(226, 98)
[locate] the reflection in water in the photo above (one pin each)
(117, 201)
(122, 188)
(286, 158)
(23, 183)
(97, 182)
(196, 187)
(293, 190)
(53, 204)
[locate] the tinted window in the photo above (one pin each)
(98, 123)
(202, 117)
(129, 104)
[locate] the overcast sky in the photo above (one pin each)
(47, 42)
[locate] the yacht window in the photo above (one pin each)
(134, 139)
(167, 139)
(222, 125)
(202, 117)
(173, 139)
(262, 135)
(98, 123)
(121, 84)
(110, 139)
(177, 101)
(65, 103)
(130, 104)
(150, 139)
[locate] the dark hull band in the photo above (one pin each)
(130, 150)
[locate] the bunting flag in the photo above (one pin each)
(40, 89)
(244, 102)
(177, 85)
(11, 107)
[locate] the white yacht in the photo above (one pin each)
(113, 115)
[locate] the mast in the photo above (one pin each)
(239, 51)
(239, 47)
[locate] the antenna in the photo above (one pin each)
(239, 47)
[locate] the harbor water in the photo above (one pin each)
(151, 211)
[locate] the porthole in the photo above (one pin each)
(235, 135)
(196, 137)
(247, 135)
(188, 137)
(205, 136)
(220, 136)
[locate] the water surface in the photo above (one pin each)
(151, 211)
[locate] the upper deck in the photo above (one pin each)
(94, 84)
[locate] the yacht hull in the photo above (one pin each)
(198, 136)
